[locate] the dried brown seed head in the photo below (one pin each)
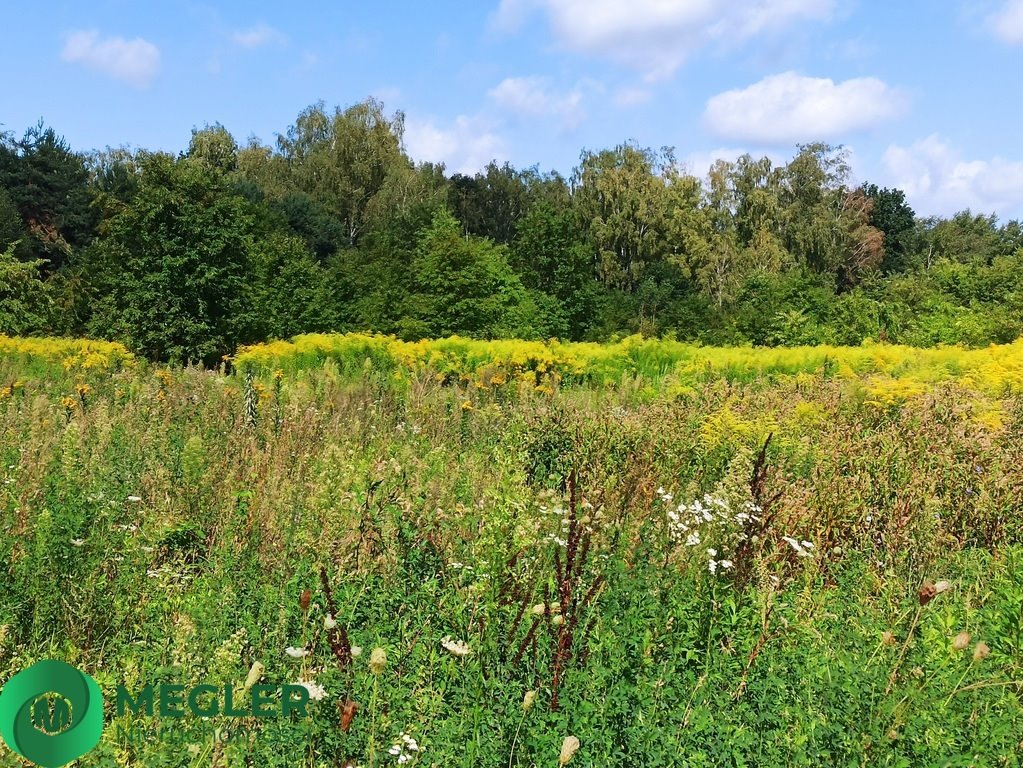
(981, 651)
(927, 592)
(348, 710)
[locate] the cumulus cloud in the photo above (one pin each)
(257, 36)
(464, 146)
(135, 62)
(536, 96)
(1007, 22)
(657, 36)
(790, 108)
(938, 180)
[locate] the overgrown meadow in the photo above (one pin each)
(527, 556)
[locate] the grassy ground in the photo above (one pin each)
(628, 566)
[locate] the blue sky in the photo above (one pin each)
(925, 94)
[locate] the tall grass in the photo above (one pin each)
(640, 573)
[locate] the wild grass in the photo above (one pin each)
(734, 572)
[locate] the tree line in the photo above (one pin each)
(334, 228)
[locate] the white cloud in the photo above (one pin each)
(136, 62)
(1007, 23)
(535, 96)
(938, 180)
(257, 36)
(465, 146)
(632, 97)
(699, 163)
(657, 36)
(789, 108)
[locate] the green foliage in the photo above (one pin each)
(344, 159)
(24, 302)
(170, 274)
(12, 234)
(463, 286)
(551, 260)
(895, 218)
(47, 182)
(289, 289)
(337, 216)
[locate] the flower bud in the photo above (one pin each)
(568, 749)
(527, 700)
(255, 673)
(378, 661)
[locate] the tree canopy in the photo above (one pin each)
(334, 227)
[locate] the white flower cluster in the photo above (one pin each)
(456, 647)
(404, 749)
(316, 691)
(802, 548)
(709, 520)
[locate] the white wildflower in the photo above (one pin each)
(296, 653)
(410, 743)
(316, 691)
(403, 747)
(135, 499)
(329, 622)
(456, 647)
(799, 548)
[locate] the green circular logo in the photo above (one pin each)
(51, 713)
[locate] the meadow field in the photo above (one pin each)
(510, 553)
